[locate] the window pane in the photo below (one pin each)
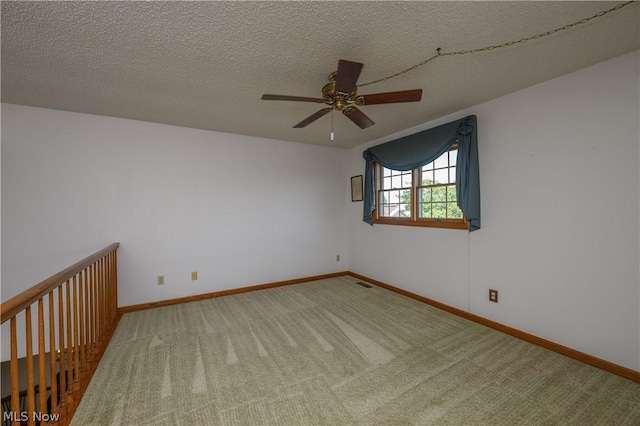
(386, 183)
(439, 193)
(383, 198)
(427, 177)
(452, 174)
(439, 210)
(392, 210)
(442, 161)
(405, 203)
(385, 203)
(395, 203)
(406, 180)
(386, 172)
(400, 180)
(425, 195)
(453, 157)
(442, 176)
(454, 211)
(405, 196)
(428, 166)
(451, 193)
(425, 210)
(388, 196)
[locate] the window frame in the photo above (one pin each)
(413, 220)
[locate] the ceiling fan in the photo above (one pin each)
(341, 94)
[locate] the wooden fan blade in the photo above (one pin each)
(393, 97)
(290, 98)
(358, 117)
(348, 73)
(312, 118)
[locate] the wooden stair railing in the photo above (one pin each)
(6, 406)
(76, 313)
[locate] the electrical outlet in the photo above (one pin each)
(493, 295)
(160, 279)
(337, 258)
(194, 276)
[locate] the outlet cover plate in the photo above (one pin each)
(493, 295)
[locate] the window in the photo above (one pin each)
(425, 196)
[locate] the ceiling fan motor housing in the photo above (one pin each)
(341, 101)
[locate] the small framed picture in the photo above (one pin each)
(356, 188)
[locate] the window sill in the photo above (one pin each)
(424, 223)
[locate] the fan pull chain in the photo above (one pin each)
(332, 135)
(498, 46)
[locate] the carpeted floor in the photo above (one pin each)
(333, 352)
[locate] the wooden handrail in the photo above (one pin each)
(18, 303)
(82, 315)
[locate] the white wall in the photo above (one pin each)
(560, 188)
(239, 210)
(559, 165)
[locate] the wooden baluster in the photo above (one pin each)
(110, 289)
(87, 305)
(107, 268)
(100, 298)
(96, 304)
(90, 310)
(107, 294)
(105, 274)
(69, 348)
(61, 353)
(52, 356)
(115, 280)
(42, 374)
(112, 278)
(105, 297)
(31, 402)
(114, 302)
(15, 386)
(94, 307)
(76, 331)
(83, 354)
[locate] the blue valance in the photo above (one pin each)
(413, 151)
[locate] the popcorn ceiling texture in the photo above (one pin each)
(206, 64)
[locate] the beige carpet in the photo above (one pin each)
(333, 352)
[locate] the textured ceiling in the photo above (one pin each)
(206, 64)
